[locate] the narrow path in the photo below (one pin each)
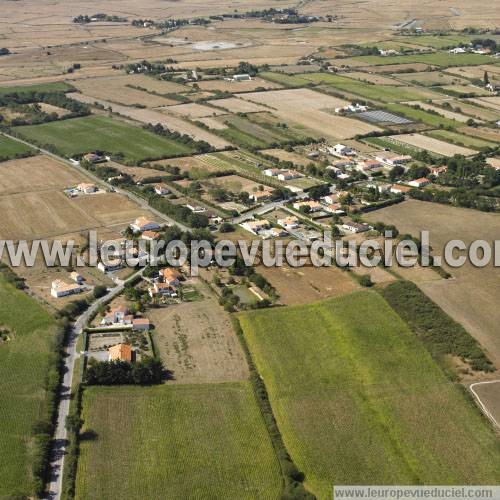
(482, 404)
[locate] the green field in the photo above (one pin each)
(40, 87)
(359, 400)
(419, 115)
(177, 441)
(436, 42)
(12, 149)
(90, 133)
(284, 79)
(461, 139)
(24, 361)
(384, 93)
(443, 59)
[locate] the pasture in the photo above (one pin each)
(91, 133)
(369, 405)
(10, 149)
(24, 361)
(192, 441)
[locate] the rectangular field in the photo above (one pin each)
(192, 441)
(466, 141)
(24, 361)
(369, 405)
(433, 145)
(90, 133)
(10, 149)
(436, 59)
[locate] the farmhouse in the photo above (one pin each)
(342, 150)
(272, 172)
(399, 189)
(87, 188)
(256, 226)
(120, 352)
(260, 196)
(62, 289)
(418, 183)
(161, 189)
(289, 222)
(162, 289)
(356, 227)
(144, 224)
(334, 208)
(286, 175)
(116, 315)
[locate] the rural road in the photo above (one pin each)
(139, 201)
(60, 441)
(481, 404)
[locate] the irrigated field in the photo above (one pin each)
(24, 360)
(368, 404)
(183, 441)
(81, 135)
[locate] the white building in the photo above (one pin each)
(144, 224)
(60, 288)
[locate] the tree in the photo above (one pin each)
(100, 291)
(396, 172)
(366, 281)
(486, 78)
(226, 227)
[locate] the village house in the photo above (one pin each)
(144, 224)
(60, 288)
(120, 352)
(393, 159)
(366, 165)
(437, 171)
(289, 222)
(380, 187)
(161, 189)
(116, 315)
(95, 157)
(260, 196)
(286, 175)
(356, 227)
(150, 235)
(141, 324)
(341, 150)
(110, 266)
(336, 165)
(256, 226)
(86, 188)
(400, 189)
(170, 276)
(272, 172)
(419, 183)
(162, 289)
(314, 206)
(329, 199)
(334, 208)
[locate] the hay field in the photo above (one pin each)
(433, 145)
(172, 122)
(197, 342)
(39, 173)
(192, 441)
(305, 108)
(472, 297)
(114, 89)
(369, 405)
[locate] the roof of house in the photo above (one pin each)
(170, 272)
(120, 352)
(422, 180)
(119, 309)
(257, 223)
(141, 321)
(399, 187)
(262, 194)
(143, 221)
(151, 235)
(86, 185)
(62, 286)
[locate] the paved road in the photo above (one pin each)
(138, 200)
(60, 441)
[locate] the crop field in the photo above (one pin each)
(465, 90)
(373, 78)
(236, 184)
(90, 133)
(436, 42)
(37, 173)
(488, 102)
(452, 115)
(369, 405)
(477, 71)
(233, 87)
(235, 105)
(470, 109)
(24, 361)
(436, 59)
(10, 148)
(285, 79)
(488, 134)
(149, 441)
(460, 139)
(431, 78)
(197, 342)
(194, 110)
(433, 145)
(41, 87)
(294, 157)
(384, 93)
(472, 297)
(296, 106)
(115, 89)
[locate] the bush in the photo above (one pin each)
(366, 280)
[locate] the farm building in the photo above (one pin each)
(241, 78)
(418, 183)
(141, 324)
(161, 189)
(256, 226)
(356, 227)
(399, 189)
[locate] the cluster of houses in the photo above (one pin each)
(263, 228)
(61, 288)
(121, 317)
(283, 174)
(166, 283)
(352, 108)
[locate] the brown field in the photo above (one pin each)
(470, 109)
(397, 68)
(473, 295)
(115, 89)
(442, 111)
(152, 116)
(467, 89)
(489, 102)
(476, 71)
(48, 108)
(234, 87)
(434, 145)
(236, 184)
(138, 173)
(192, 110)
(283, 155)
(37, 173)
(212, 123)
(490, 134)
(306, 107)
(372, 78)
(188, 164)
(308, 284)
(197, 342)
(236, 105)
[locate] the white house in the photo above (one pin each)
(144, 224)
(289, 222)
(86, 188)
(314, 206)
(60, 288)
(112, 265)
(161, 189)
(241, 78)
(356, 227)
(256, 226)
(341, 149)
(457, 50)
(120, 315)
(334, 208)
(286, 175)
(418, 183)
(272, 172)
(329, 199)
(197, 209)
